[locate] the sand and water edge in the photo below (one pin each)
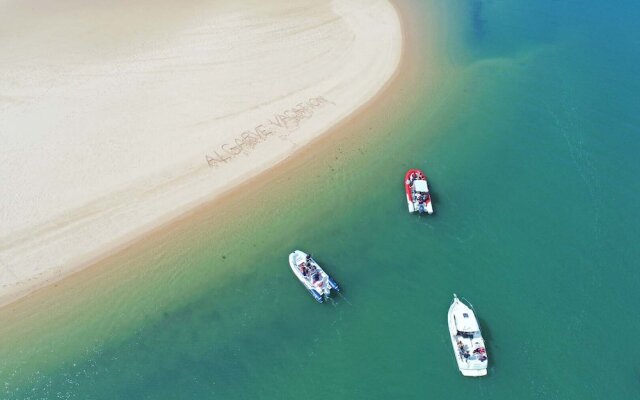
(134, 273)
(300, 128)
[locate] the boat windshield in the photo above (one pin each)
(467, 335)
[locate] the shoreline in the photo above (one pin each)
(256, 179)
(143, 281)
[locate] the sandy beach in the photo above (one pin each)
(115, 119)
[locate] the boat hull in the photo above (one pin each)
(318, 283)
(413, 204)
(475, 364)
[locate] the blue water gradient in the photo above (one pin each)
(529, 132)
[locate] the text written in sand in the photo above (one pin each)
(281, 124)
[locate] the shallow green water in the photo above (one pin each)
(529, 135)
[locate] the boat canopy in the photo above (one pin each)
(465, 321)
(420, 186)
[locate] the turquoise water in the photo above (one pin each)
(529, 133)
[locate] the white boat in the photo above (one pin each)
(312, 276)
(466, 339)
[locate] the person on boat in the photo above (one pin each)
(304, 270)
(308, 257)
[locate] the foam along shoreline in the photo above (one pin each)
(116, 119)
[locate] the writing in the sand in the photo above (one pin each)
(281, 124)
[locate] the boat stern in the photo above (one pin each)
(474, 372)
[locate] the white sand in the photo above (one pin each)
(109, 109)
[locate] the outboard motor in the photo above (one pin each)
(334, 284)
(316, 295)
